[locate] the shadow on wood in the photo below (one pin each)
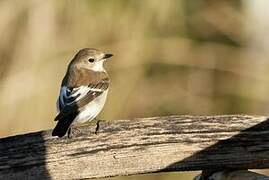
(23, 157)
(248, 149)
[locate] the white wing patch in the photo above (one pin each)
(69, 96)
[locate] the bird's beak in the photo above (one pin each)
(107, 56)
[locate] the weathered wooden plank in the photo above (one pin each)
(235, 175)
(136, 146)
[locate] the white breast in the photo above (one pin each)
(91, 110)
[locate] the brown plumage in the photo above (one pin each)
(85, 71)
(76, 77)
(83, 77)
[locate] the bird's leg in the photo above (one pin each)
(72, 132)
(69, 132)
(97, 125)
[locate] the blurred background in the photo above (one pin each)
(200, 57)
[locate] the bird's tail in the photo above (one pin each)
(63, 126)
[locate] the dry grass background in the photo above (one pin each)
(171, 57)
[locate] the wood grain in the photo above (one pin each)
(136, 146)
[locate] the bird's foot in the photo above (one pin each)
(97, 125)
(72, 132)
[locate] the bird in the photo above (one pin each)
(83, 91)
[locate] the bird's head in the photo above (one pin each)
(90, 58)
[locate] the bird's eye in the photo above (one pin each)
(91, 60)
